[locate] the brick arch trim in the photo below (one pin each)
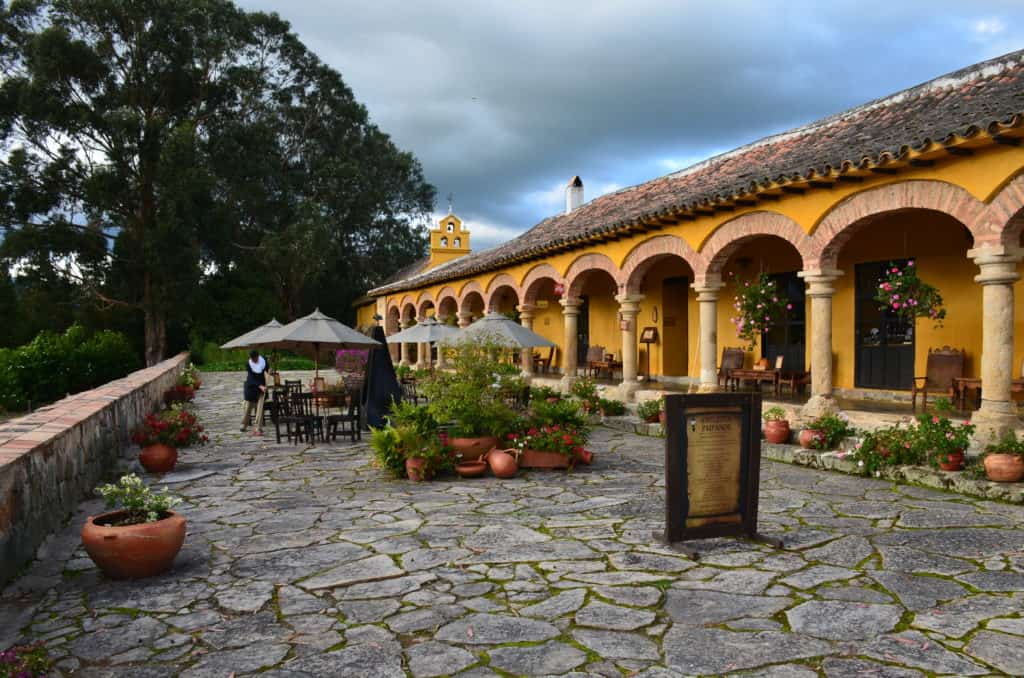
(1004, 217)
(530, 285)
(643, 256)
(726, 238)
(585, 264)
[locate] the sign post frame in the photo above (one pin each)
(677, 498)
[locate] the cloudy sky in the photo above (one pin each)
(503, 102)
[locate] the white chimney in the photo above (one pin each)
(573, 194)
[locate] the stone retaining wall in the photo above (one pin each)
(53, 458)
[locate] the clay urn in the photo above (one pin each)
(1004, 468)
(503, 464)
(416, 469)
(471, 469)
(808, 436)
(133, 551)
(952, 461)
(159, 458)
(472, 449)
(776, 431)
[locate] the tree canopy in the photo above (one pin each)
(185, 162)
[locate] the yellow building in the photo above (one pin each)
(932, 174)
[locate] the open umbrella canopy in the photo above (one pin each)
(316, 335)
(426, 332)
(252, 337)
(503, 330)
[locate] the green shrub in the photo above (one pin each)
(650, 408)
(833, 428)
(213, 358)
(611, 408)
(564, 413)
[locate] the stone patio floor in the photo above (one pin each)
(311, 562)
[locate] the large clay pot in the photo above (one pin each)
(503, 464)
(471, 469)
(776, 431)
(133, 551)
(1004, 468)
(416, 469)
(653, 419)
(543, 460)
(472, 449)
(808, 436)
(158, 458)
(953, 461)
(586, 457)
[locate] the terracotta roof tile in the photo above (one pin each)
(987, 96)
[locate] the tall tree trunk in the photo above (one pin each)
(156, 325)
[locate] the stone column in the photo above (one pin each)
(707, 289)
(465, 319)
(441, 362)
(570, 320)
(629, 309)
(820, 291)
(406, 346)
(526, 320)
(998, 412)
(422, 350)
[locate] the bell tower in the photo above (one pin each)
(449, 240)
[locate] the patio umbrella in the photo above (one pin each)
(252, 337)
(503, 330)
(314, 335)
(426, 332)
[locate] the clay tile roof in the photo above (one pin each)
(985, 97)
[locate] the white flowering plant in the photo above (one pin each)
(138, 502)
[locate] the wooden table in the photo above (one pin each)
(597, 367)
(961, 385)
(759, 376)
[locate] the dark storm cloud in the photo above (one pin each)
(503, 102)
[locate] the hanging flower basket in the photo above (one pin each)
(758, 306)
(904, 294)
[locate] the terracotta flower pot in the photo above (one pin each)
(133, 551)
(661, 417)
(158, 458)
(1004, 468)
(952, 461)
(472, 449)
(776, 431)
(416, 469)
(543, 460)
(471, 469)
(653, 419)
(503, 464)
(808, 436)
(586, 457)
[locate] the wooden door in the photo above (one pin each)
(674, 347)
(885, 342)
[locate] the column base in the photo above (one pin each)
(567, 382)
(993, 420)
(818, 406)
(626, 389)
(710, 388)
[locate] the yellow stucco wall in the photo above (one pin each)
(365, 313)
(938, 245)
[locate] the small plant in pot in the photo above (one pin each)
(826, 432)
(1004, 460)
(651, 410)
(140, 537)
(776, 426)
(941, 440)
(893, 446)
(161, 435)
(25, 661)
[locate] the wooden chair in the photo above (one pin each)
(410, 394)
(795, 380)
(732, 359)
(349, 423)
(944, 365)
(542, 364)
(595, 360)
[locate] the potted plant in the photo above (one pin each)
(776, 426)
(550, 447)
(179, 393)
(1004, 460)
(140, 537)
(893, 446)
(611, 408)
(825, 432)
(940, 440)
(190, 377)
(161, 435)
(902, 293)
(650, 411)
(758, 306)
(25, 661)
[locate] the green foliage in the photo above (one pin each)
(387, 449)
(473, 396)
(543, 393)
(611, 408)
(564, 413)
(937, 436)
(417, 417)
(25, 661)
(834, 427)
(140, 503)
(53, 365)
(177, 427)
(758, 307)
(189, 377)
(1008, 444)
(403, 371)
(567, 441)
(585, 389)
(774, 413)
(650, 408)
(893, 446)
(213, 358)
(902, 293)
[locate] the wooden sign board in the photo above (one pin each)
(649, 335)
(712, 466)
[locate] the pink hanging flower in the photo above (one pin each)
(895, 304)
(789, 307)
(910, 263)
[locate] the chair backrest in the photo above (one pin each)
(293, 386)
(301, 404)
(732, 358)
(281, 404)
(595, 354)
(944, 365)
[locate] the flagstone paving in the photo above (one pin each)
(308, 561)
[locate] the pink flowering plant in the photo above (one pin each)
(893, 446)
(937, 437)
(567, 441)
(758, 305)
(25, 661)
(903, 293)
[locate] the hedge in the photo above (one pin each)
(53, 365)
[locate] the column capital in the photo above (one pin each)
(465, 318)
(819, 283)
(998, 264)
(629, 304)
(526, 308)
(708, 286)
(405, 324)
(570, 305)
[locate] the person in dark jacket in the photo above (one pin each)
(255, 390)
